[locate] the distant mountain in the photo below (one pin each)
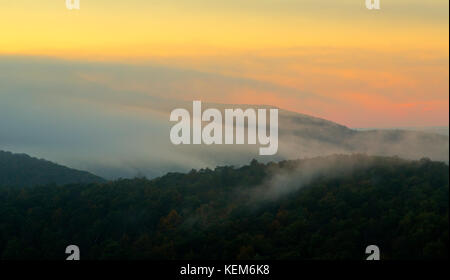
(23, 170)
(117, 145)
(304, 136)
(443, 130)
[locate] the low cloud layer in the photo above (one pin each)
(103, 118)
(289, 177)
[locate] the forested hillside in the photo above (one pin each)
(23, 170)
(321, 208)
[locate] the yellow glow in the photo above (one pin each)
(354, 60)
(148, 28)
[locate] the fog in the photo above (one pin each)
(283, 181)
(113, 120)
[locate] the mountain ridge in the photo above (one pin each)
(19, 169)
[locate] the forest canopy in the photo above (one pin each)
(321, 208)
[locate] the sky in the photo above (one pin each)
(331, 59)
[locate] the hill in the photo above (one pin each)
(305, 136)
(23, 170)
(320, 208)
(113, 144)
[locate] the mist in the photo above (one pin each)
(295, 175)
(113, 120)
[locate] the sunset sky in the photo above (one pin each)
(332, 59)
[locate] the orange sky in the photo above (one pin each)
(334, 59)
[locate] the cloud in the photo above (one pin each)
(113, 119)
